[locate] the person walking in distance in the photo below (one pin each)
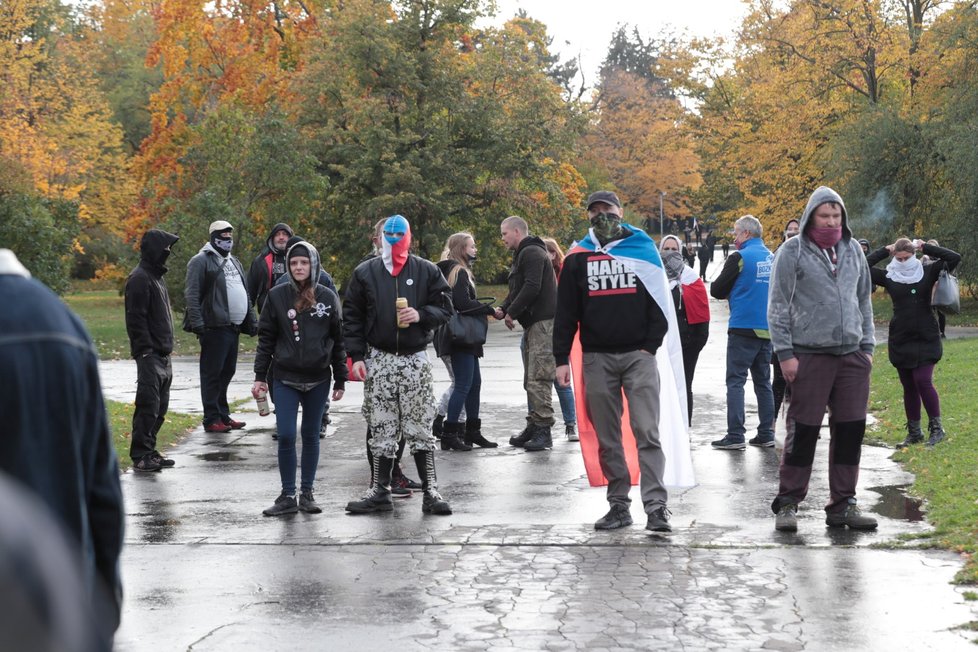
(821, 322)
(393, 305)
(531, 301)
(149, 324)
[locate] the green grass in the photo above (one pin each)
(883, 309)
(947, 475)
(120, 420)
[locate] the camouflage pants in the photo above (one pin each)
(398, 401)
(539, 371)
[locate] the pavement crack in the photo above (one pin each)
(208, 635)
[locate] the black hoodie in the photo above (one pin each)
(149, 321)
(532, 284)
(267, 268)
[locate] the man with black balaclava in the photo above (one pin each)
(621, 327)
(269, 266)
(218, 310)
(149, 324)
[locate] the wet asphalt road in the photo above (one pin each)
(518, 565)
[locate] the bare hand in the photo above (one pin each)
(890, 248)
(563, 375)
(408, 315)
(500, 314)
(337, 394)
(359, 371)
(258, 389)
(509, 323)
(789, 369)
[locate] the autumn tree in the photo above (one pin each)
(413, 110)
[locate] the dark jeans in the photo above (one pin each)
(749, 354)
(692, 345)
(218, 362)
(286, 411)
(154, 374)
(468, 387)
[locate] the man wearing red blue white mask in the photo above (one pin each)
(388, 346)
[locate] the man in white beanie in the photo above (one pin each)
(218, 310)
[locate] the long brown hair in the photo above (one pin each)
(558, 253)
(455, 250)
(306, 297)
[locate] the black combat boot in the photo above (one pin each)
(936, 431)
(473, 434)
(541, 439)
(432, 502)
(451, 437)
(378, 497)
(520, 440)
(914, 436)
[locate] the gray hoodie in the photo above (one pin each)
(812, 310)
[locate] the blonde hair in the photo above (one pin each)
(554, 248)
(455, 250)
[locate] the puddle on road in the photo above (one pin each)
(895, 503)
(221, 456)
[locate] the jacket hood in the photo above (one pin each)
(281, 226)
(446, 266)
(314, 268)
(822, 195)
(531, 241)
(153, 246)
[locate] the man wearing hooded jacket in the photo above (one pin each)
(149, 324)
(269, 266)
(388, 346)
(218, 310)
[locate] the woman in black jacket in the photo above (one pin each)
(914, 339)
(456, 265)
(301, 329)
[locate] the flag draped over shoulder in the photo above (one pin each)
(640, 256)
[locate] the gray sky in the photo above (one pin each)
(584, 27)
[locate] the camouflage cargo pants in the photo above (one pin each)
(538, 372)
(398, 401)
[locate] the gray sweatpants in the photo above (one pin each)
(635, 372)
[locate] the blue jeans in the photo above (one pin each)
(468, 387)
(566, 397)
(287, 401)
(749, 354)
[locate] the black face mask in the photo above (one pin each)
(222, 245)
(607, 226)
(472, 259)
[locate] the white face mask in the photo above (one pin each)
(909, 271)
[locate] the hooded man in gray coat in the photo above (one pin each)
(821, 322)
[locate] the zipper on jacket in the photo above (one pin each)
(397, 328)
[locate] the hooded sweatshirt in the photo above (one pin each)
(810, 308)
(149, 321)
(268, 267)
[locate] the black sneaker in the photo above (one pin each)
(850, 517)
(571, 431)
(146, 463)
(618, 516)
(763, 441)
(283, 505)
(659, 520)
(376, 499)
(308, 504)
(165, 462)
(729, 443)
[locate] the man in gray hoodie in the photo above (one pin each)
(821, 322)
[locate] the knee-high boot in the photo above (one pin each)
(432, 502)
(378, 497)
